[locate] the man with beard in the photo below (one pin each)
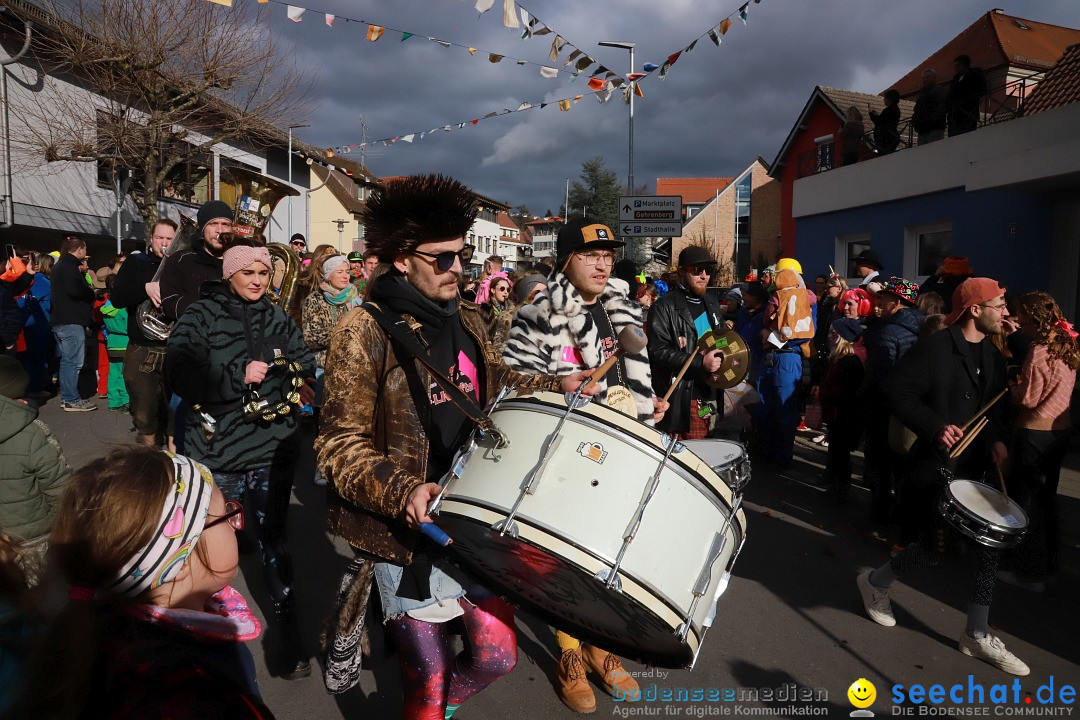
(574, 324)
(938, 386)
(185, 272)
(145, 357)
(676, 321)
(382, 464)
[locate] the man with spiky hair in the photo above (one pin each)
(389, 432)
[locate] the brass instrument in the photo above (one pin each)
(253, 198)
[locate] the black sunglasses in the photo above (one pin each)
(445, 260)
(234, 515)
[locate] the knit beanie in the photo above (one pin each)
(13, 378)
(331, 264)
(239, 257)
(212, 211)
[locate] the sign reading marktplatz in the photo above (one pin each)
(650, 215)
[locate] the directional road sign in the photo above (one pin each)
(650, 207)
(650, 229)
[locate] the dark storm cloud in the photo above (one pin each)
(718, 109)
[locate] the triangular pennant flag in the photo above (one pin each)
(583, 63)
(330, 19)
(444, 43)
(605, 94)
(600, 70)
(405, 36)
(743, 12)
(522, 62)
(578, 97)
(714, 37)
(635, 76)
(724, 25)
(572, 57)
(482, 6)
(596, 84)
(510, 21)
(690, 46)
(374, 32)
(664, 69)
(475, 120)
(422, 135)
(494, 58)
(472, 51)
(460, 125)
(408, 138)
(543, 105)
(564, 105)
(638, 91)
(526, 24)
(446, 128)
(556, 47)
(524, 106)
(673, 58)
(490, 115)
(294, 13)
(263, 1)
(226, 3)
(649, 67)
(548, 72)
(541, 29)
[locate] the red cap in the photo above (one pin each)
(973, 291)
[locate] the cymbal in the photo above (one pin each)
(735, 362)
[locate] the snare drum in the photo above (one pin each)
(727, 459)
(983, 514)
(557, 554)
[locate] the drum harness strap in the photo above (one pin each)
(398, 330)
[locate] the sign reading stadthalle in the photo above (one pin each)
(650, 215)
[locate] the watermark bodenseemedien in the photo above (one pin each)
(787, 700)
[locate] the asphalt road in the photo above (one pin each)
(792, 615)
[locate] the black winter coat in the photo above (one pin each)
(72, 298)
(207, 355)
(183, 278)
(129, 291)
(886, 342)
(670, 320)
(11, 319)
(936, 384)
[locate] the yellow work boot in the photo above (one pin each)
(616, 681)
(574, 689)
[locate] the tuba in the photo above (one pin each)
(253, 197)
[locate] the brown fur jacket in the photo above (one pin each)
(372, 448)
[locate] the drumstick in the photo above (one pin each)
(678, 378)
(982, 411)
(968, 438)
(631, 341)
(1001, 479)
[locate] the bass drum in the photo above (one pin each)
(567, 534)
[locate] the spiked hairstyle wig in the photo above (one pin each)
(403, 214)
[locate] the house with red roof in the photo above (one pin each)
(695, 192)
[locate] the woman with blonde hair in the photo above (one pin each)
(1042, 394)
(309, 280)
(840, 406)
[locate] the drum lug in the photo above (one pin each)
(604, 575)
(666, 441)
(506, 527)
(575, 401)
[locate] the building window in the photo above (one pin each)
(848, 247)
(925, 249)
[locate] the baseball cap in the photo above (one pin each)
(973, 291)
(355, 256)
(577, 234)
(695, 255)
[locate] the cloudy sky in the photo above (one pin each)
(717, 110)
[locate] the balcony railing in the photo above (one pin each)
(1003, 103)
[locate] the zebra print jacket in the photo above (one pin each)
(546, 334)
(205, 362)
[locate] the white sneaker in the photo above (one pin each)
(990, 649)
(876, 601)
(320, 479)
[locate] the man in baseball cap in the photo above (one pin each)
(947, 379)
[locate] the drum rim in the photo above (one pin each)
(721, 489)
(957, 502)
(632, 586)
(741, 460)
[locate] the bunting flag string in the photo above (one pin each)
(375, 31)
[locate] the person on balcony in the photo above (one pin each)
(928, 118)
(886, 124)
(966, 92)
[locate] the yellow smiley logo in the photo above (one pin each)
(862, 693)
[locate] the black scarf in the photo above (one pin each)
(396, 294)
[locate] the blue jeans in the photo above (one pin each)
(71, 347)
(779, 390)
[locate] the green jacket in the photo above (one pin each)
(116, 326)
(33, 472)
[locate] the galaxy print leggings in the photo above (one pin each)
(432, 677)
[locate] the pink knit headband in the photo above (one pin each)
(239, 257)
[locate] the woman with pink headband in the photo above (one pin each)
(235, 358)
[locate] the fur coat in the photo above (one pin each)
(555, 335)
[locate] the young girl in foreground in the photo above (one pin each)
(151, 629)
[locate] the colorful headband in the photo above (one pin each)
(239, 257)
(181, 523)
(331, 264)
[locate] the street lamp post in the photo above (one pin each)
(566, 204)
(630, 152)
(340, 231)
(291, 128)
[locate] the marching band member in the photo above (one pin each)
(219, 349)
(389, 432)
(938, 385)
(574, 324)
